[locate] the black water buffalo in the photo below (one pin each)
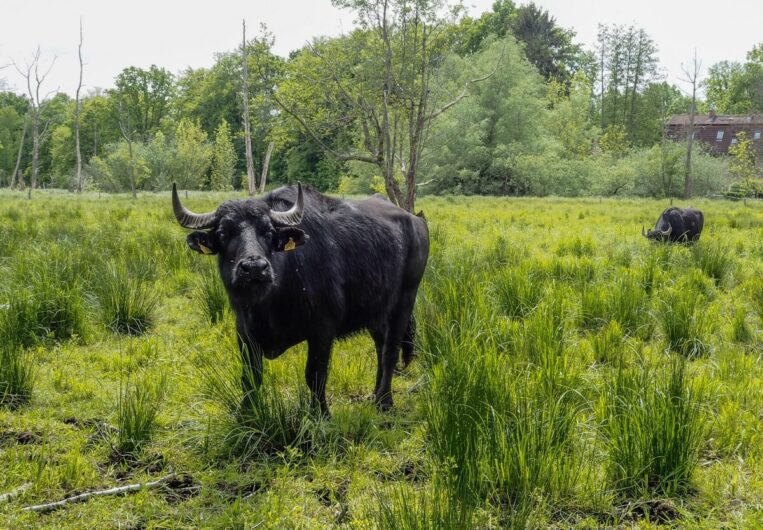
(300, 266)
(677, 225)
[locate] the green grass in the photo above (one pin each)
(654, 428)
(127, 305)
(16, 376)
(138, 402)
(567, 376)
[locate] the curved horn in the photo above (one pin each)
(668, 231)
(186, 217)
(292, 216)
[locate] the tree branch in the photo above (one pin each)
(5, 497)
(121, 490)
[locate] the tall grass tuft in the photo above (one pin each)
(211, 297)
(715, 259)
(629, 305)
(16, 376)
(263, 422)
(740, 329)
(685, 322)
(607, 343)
(138, 405)
(430, 509)
(757, 300)
(517, 291)
(654, 426)
(127, 305)
(594, 306)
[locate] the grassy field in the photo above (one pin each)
(570, 374)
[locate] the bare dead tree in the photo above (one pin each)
(265, 167)
(77, 110)
(691, 76)
(252, 184)
(16, 173)
(34, 77)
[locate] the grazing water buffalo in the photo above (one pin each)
(677, 225)
(300, 266)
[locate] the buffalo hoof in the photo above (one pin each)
(384, 403)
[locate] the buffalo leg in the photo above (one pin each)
(396, 328)
(378, 336)
(316, 371)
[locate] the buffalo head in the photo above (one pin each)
(244, 234)
(658, 234)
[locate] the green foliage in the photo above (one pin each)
(476, 144)
(193, 155)
(142, 98)
(737, 88)
(223, 159)
(742, 165)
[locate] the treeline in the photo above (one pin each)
(429, 101)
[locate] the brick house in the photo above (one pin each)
(718, 132)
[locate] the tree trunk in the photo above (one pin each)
(76, 115)
(265, 167)
(35, 152)
(18, 156)
(132, 166)
(252, 184)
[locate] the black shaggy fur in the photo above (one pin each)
(357, 266)
(685, 225)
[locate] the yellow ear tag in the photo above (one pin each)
(204, 250)
(290, 245)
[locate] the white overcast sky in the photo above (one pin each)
(178, 34)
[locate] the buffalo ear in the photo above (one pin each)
(200, 242)
(289, 237)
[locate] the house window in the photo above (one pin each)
(719, 136)
(756, 135)
(733, 141)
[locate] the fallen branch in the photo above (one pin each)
(121, 490)
(5, 497)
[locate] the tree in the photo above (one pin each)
(734, 88)
(742, 164)
(77, 109)
(35, 78)
(252, 184)
(377, 80)
(692, 77)
(223, 159)
(547, 46)
(627, 59)
(475, 147)
(193, 155)
(143, 97)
